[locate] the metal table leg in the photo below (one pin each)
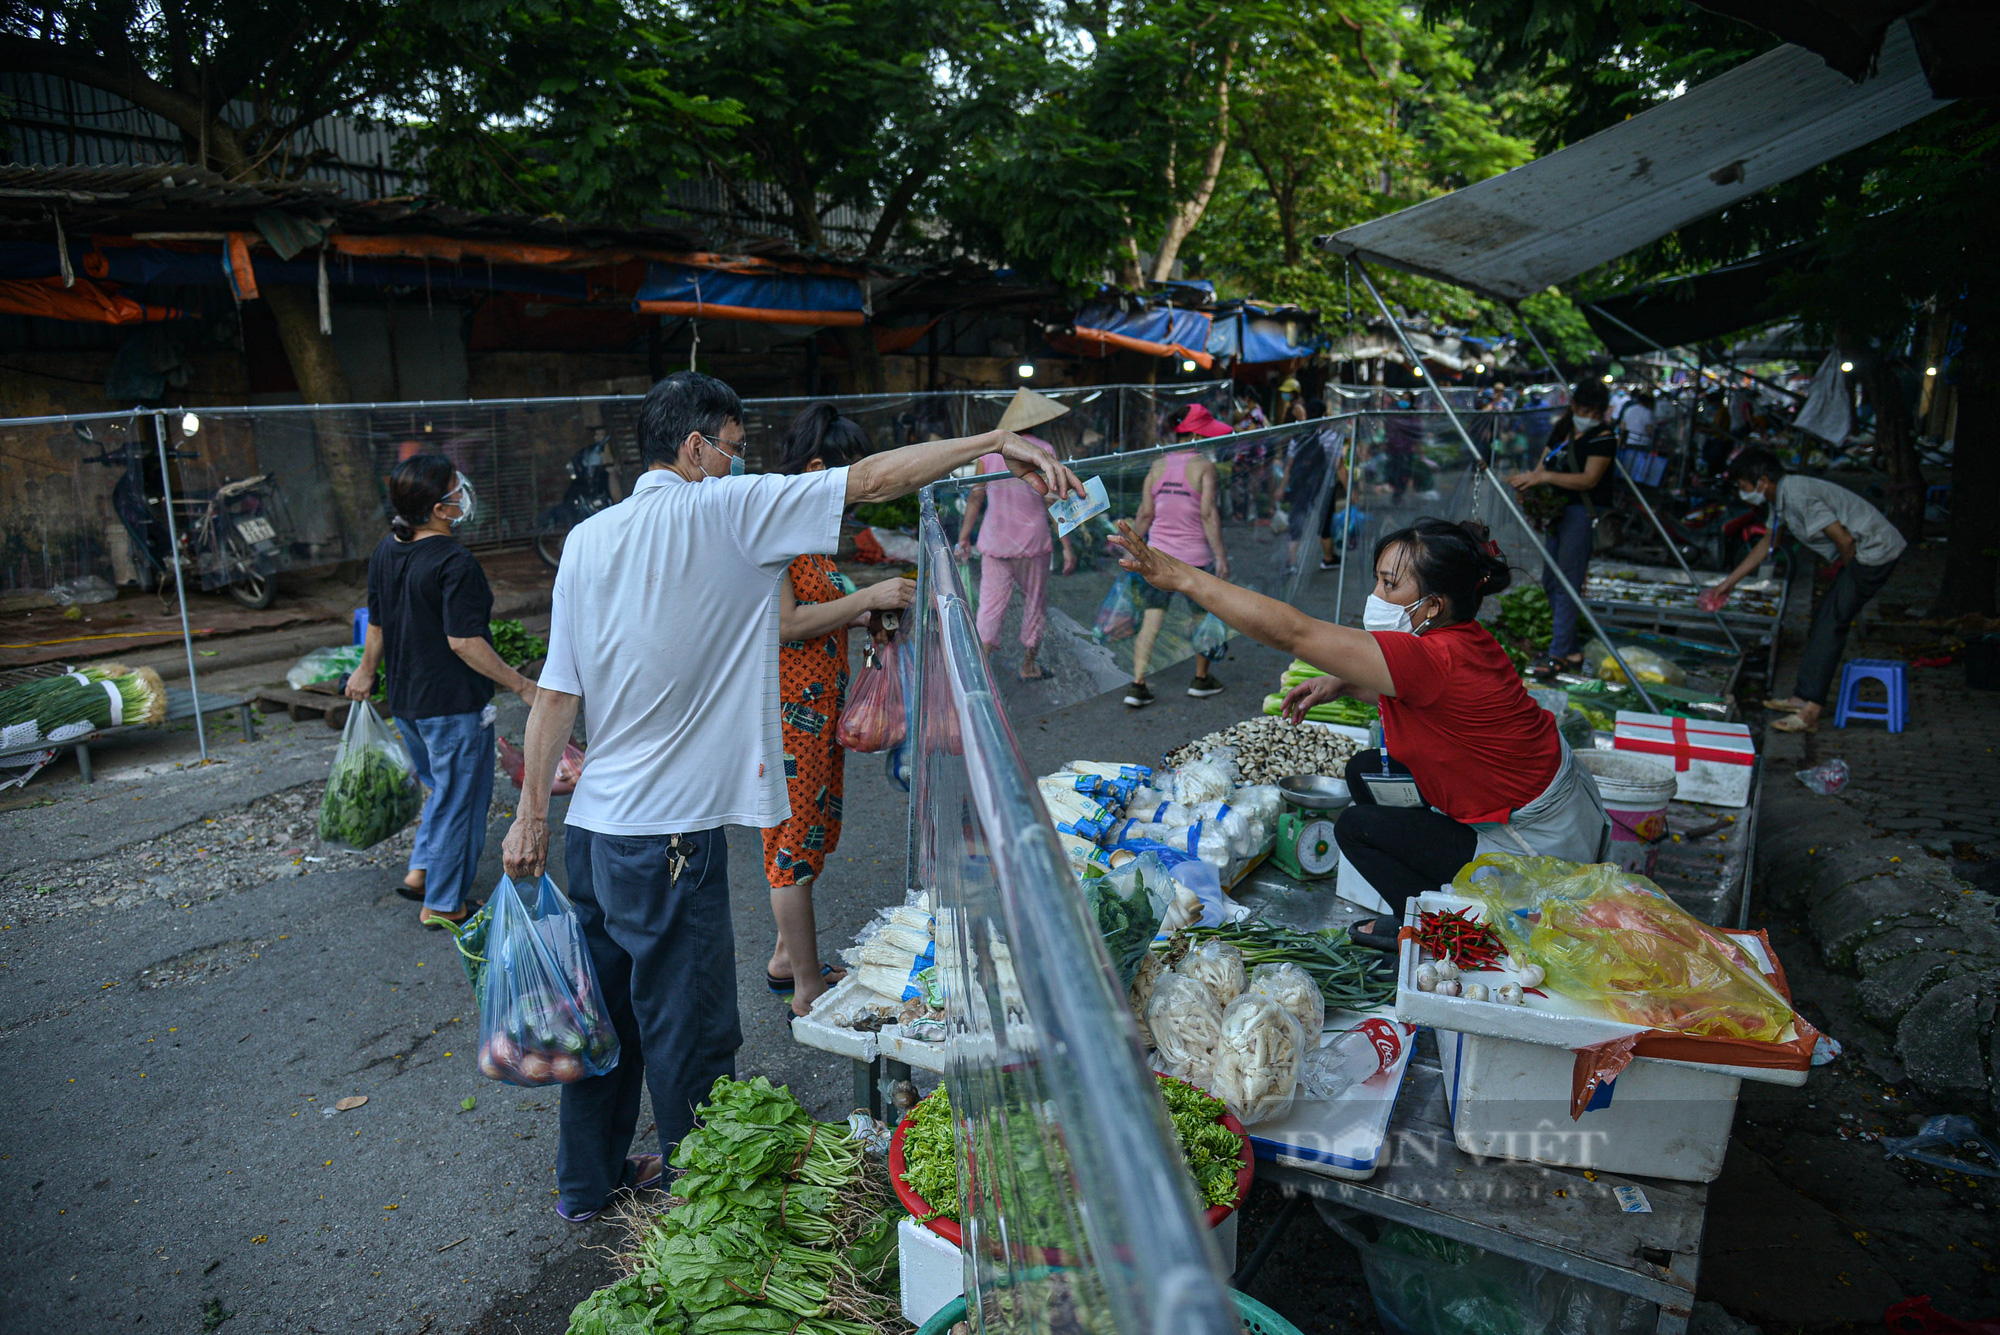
(248, 720)
(1247, 1273)
(83, 762)
(868, 1087)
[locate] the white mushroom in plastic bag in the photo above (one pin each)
(1255, 1069)
(1151, 969)
(1185, 1022)
(1217, 965)
(1293, 988)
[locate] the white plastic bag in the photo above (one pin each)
(1216, 965)
(1255, 1065)
(1293, 988)
(1184, 1021)
(372, 791)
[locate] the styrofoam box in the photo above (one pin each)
(932, 1271)
(1712, 761)
(1553, 1021)
(1510, 1099)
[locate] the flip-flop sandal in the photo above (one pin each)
(784, 987)
(1783, 706)
(1793, 723)
(1374, 940)
(628, 1180)
(1040, 675)
(411, 893)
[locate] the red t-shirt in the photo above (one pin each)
(1478, 744)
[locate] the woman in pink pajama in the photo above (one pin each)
(1015, 541)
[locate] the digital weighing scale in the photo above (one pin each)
(1305, 849)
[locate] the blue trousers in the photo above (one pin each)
(1568, 541)
(665, 953)
(454, 757)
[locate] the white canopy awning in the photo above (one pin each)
(1767, 120)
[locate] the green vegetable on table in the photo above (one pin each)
(930, 1157)
(514, 644)
(1350, 977)
(1346, 709)
(76, 703)
(1212, 1151)
(369, 796)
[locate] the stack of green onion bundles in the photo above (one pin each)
(76, 704)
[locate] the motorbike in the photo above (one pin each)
(593, 486)
(237, 537)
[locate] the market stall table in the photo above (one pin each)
(180, 705)
(883, 1058)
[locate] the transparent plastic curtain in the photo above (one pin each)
(1099, 624)
(57, 521)
(1076, 1206)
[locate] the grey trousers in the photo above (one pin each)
(665, 953)
(1852, 587)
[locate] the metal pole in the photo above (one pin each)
(1346, 519)
(180, 585)
(1647, 338)
(1504, 494)
(1644, 504)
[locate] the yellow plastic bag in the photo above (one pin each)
(1653, 668)
(1611, 936)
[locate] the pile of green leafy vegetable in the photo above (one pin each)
(899, 513)
(369, 796)
(1125, 919)
(1213, 1152)
(777, 1224)
(514, 644)
(1525, 624)
(930, 1158)
(1350, 977)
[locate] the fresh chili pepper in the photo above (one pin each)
(1453, 935)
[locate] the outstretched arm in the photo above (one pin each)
(1340, 651)
(893, 473)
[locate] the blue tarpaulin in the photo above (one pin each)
(770, 296)
(1162, 331)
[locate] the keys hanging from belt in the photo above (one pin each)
(678, 849)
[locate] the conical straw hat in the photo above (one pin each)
(1030, 409)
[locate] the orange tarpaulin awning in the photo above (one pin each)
(48, 298)
(1105, 336)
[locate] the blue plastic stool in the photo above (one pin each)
(1889, 672)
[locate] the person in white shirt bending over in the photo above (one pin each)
(664, 628)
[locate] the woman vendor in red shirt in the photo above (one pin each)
(1473, 764)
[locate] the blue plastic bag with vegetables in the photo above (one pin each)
(541, 1013)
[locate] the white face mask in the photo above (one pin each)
(1381, 614)
(465, 499)
(1751, 497)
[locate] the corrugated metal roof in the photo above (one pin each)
(175, 184)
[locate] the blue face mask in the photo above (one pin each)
(736, 468)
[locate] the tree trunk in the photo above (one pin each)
(343, 442)
(1187, 214)
(1972, 558)
(1896, 447)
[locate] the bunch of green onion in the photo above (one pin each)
(74, 704)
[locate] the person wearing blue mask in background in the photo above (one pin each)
(429, 608)
(1478, 766)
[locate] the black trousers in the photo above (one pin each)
(1852, 587)
(665, 953)
(1402, 851)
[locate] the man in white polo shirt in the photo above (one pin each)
(664, 628)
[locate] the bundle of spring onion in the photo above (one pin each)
(1354, 713)
(1350, 977)
(57, 709)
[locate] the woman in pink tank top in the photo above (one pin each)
(1178, 515)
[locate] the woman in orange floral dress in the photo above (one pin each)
(816, 605)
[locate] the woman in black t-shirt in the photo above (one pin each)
(1577, 463)
(428, 609)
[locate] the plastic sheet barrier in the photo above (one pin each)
(1075, 1204)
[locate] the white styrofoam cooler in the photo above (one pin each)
(1508, 1072)
(1713, 761)
(931, 1269)
(1510, 1100)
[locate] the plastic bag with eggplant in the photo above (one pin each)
(541, 1013)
